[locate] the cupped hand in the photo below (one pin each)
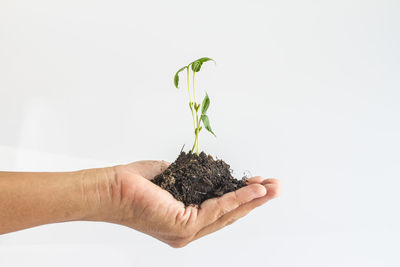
(144, 206)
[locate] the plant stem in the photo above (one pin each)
(195, 142)
(197, 130)
(197, 145)
(194, 91)
(190, 99)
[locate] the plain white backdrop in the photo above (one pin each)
(305, 91)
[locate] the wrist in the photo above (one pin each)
(97, 189)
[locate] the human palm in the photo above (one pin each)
(146, 207)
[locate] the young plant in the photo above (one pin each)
(195, 66)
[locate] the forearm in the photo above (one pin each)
(32, 199)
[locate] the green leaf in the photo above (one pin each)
(176, 77)
(205, 104)
(196, 65)
(206, 124)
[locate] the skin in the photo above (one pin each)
(122, 195)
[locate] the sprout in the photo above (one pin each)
(195, 66)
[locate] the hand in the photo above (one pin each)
(144, 206)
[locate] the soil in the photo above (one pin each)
(193, 178)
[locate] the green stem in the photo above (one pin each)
(195, 142)
(190, 99)
(194, 91)
(197, 130)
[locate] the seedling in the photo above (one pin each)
(195, 66)
(195, 177)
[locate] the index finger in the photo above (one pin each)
(213, 209)
(273, 191)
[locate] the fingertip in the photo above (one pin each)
(256, 190)
(273, 190)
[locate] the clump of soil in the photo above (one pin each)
(193, 178)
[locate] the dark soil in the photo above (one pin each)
(193, 179)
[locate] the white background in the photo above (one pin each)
(305, 91)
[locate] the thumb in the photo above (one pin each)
(149, 168)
